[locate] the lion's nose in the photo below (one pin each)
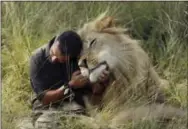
(83, 63)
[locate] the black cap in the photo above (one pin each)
(70, 43)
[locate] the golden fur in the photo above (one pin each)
(135, 79)
(130, 64)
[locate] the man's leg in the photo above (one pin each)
(48, 120)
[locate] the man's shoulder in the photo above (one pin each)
(38, 54)
(39, 50)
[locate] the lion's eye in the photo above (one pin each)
(91, 44)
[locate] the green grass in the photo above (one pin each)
(162, 27)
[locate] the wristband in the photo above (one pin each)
(65, 89)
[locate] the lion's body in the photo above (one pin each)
(130, 64)
(134, 80)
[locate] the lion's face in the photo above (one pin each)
(89, 52)
(98, 37)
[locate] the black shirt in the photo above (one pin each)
(45, 75)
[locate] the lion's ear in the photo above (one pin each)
(105, 22)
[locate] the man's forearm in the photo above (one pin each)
(98, 88)
(52, 96)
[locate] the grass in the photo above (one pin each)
(161, 26)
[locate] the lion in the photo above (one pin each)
(134, 78)
(133, 74)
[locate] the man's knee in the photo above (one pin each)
(47, 120)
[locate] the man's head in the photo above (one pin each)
(67, 45)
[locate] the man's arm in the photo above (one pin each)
(39, 85)
(49, 96)
(52, 96)
(98, 90)
(77, 81)
(99, 87)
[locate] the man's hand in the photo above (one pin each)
(99, 88)
(104, 76)
(78, 80)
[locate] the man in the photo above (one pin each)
(55, 75)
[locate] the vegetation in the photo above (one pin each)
(161, 26)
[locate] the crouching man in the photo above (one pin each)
(56, 78)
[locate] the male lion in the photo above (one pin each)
(134, 74)
(134, 78)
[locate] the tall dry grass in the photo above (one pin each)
(161, 26)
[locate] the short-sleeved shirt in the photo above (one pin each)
(45, 75)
